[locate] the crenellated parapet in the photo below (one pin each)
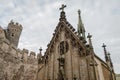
(28, 57)
(25, 55)
(9, 39)
(32, 54)
(32, 59)
(21, 55)
(14, 26)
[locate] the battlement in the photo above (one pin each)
(13, 25)
(21, 55)
(32, 54)
(25, 51)
(29, 57)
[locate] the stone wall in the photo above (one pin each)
(99, 68)
(16, 64)
(105, 72)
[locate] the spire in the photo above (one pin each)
(81, 29)
(62, 14)
(105, 52)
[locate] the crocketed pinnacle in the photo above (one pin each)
(105, 52)
(81, 29)
(111, 64)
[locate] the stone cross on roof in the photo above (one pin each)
(104, 45)
(79, 12)
(62, 7)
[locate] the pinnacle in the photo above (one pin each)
(62, 14)
(89, 36)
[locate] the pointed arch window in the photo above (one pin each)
(63, 47)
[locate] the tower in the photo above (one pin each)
(13, 32)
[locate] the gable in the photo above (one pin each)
(63, 31)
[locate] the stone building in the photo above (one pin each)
(69, 56)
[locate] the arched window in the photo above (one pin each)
(63, 47)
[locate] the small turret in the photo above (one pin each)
(13, 32)
(81, 29)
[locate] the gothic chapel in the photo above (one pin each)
(70, 57)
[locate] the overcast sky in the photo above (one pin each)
(39, 19)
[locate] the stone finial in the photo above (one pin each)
(79, 12)
(62, 15)
(105, 52)
(111, 64)
(40, 49)
(40, 53)
(90, 41)
(89, 36)
(104, 47)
